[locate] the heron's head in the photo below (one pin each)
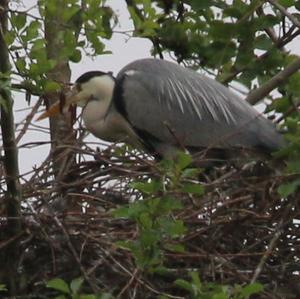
(93, 85)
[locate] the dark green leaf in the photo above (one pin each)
(262, 42)
(195, 279)
(183, 159)
(222, 31)
(18, 20)
(251, 289)
(190, 173)
(286, 3)
(174, 247)
(59, 285)
(147, 188)
(76, 284)
(289, 188)
(193, 188)
(32, 31)
(202, 4)
(183, 284)
(145, 220)
(76, 56)
(9, 37)
(21, 64)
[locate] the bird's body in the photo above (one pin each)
(164, 106)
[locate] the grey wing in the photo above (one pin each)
(179, 106)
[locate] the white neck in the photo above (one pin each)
(97, 95)
(100, 117)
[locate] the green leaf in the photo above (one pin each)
(59, 285)
(183, 284)
(3, 287)
(175, 247)
(286, 3)
(18, 20)
(9, 37)
(195, 279)
(149, 238)
(193, 188)
(76, 56)
(88, 297)
(220, 30)
(145, 220)
(173, 228)
(251, 289)
(183, 159)
(70, 12)
(147, 188)
(21, 64)
(51, 86)
(262, 42)
(122, 212)
(124, 244)
(190, 172)
(220, 296)
(32, 31)
(76, 284)
(202, 4)
(287, 189)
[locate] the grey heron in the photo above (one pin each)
(162, 106)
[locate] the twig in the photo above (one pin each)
(272, 244)
(93, 286)
(28, 119)
(258, 94)
(293, 19)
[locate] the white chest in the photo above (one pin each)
(111, 126)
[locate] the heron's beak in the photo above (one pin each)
(72, 97)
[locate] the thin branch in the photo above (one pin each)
(28, 120)
(258, 94)
(93, 286)
(292, 18)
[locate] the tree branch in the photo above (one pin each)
(258, 94)
(9, 256)
(293, 19)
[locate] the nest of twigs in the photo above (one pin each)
(239, 231)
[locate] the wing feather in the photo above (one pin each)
(201, 111)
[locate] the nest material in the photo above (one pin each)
(239, 231)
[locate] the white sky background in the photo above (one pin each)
(123, 50)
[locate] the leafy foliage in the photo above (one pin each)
(235, 230)
(73, 290)
(199, 290)
(152, 212)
